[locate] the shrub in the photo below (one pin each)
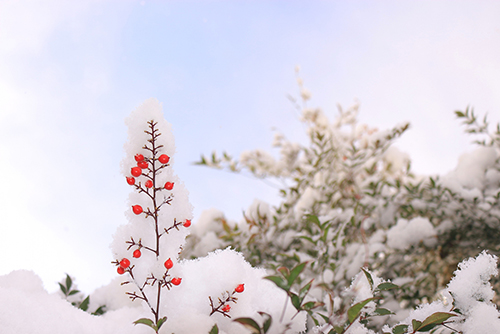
(350, 200)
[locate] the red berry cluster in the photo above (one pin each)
(142, 163)
(223, 306)
(122, 266)
(144, 178)
(169, 264)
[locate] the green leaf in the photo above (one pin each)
(325, 234)
(415, 324)
(382, 311)
(459, 114)
(368, 277)
(100, 310)
(313, 219)
(226, 226)
(279, 281)
(68, 282)
(295, 272)
(63, 289)
(325, 318)
(250, 324)
(147, 322)
(305, 290)
(161, 322)
(307, 238)
(433, 320)
(386, 286)
(312, 315)
(295, 301)
(311, 305)
(73, 292)
(399, 329)
(267, 322)
(284, 271)
(214, 330)
(355, 310)
(339, 329)
(85, 304)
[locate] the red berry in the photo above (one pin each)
(137, 209)
(136, 171)
(226, 308)
(176, 280)
(137, 253)
(149, 184)
(124, 263)
(142, 164)
(187, 223)
(164, 158)
(169, 264)
(169, 185)
(240, 288)
(120, 270)
(130, 180)
(139, 157)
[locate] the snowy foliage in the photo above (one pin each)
(350, 200)
(359, 245)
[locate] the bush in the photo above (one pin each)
(351, 201)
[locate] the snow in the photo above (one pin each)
(26, 307)
(306, 201)
(203, 237)
(475, 173)
(470, 283)
(187, 307)
(396, 159)
(483, 318)
(406, 233)
(470, 171)
(472, 293)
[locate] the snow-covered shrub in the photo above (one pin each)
(466, 306)
(350, 200)
(463, 206)
(334, 210)
(352, 213)
(192, 296)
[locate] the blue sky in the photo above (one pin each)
(71, 71)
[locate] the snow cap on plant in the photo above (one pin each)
(155, 215)
(470, 285)
(137, 124)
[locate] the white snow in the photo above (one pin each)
(406, 233)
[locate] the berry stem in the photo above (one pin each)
(143, 297)
(139, 244)
(222, 303)
(154, 151)
(157, 314)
